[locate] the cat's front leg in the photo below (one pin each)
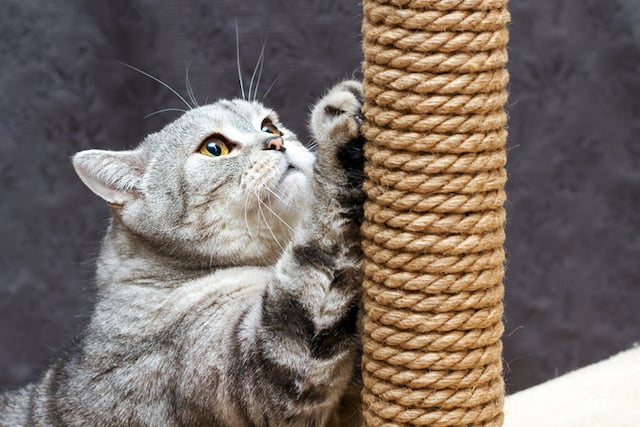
(324, 263)
(305, 342)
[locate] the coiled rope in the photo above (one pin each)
(434, 83)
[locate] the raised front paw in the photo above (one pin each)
(335, 123)
(337, 116)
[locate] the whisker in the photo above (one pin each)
(238, 60)
(159, 81)
(164, 111)
(187, 83)
(291, 205)
(246, 221)
(271, 86)
(259, 65)
(255, 94)
(276, 215)
(267, 222)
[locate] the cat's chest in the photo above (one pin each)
(223, 289)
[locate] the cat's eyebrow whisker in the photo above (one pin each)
(255, 93)
(238, 61)
(259, 66)
(187, 83)
(270, 86)
(164, 110)
(159, 81)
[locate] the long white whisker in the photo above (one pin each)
(246, 221)
(187, 83)
(159, 81)
(259, 65)
(255, 94)
(164, 111)
(270, 86)
(267, 222)
(292, 205)
(238, 60)
(276, 215)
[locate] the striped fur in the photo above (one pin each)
(211, 311)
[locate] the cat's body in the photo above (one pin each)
(228, 281)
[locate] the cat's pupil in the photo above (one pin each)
(214, 148)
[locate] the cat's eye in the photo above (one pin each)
(214, 146)
(268, 127)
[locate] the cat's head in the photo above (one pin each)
(225, 183)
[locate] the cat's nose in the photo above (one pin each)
(274, 143)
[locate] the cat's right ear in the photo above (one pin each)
(112, 175)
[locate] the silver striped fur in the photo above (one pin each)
(228, 287)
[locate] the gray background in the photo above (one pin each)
(573, 274)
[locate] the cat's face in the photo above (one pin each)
(225, 183)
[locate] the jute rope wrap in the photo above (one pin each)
(434, 83)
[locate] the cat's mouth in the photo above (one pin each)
(290, 169)
(290, 176)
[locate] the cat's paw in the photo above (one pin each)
(335, 123)
(337, 116)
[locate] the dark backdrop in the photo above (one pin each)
(573, 273)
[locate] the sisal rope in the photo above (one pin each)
(434, 83)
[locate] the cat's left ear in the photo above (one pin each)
(113, 175)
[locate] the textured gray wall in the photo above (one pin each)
(573, 274)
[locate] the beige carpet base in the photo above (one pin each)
(605, 394)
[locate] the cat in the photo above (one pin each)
(228, 282)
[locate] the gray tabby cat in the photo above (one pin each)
(228, 280)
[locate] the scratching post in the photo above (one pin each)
(434, 83)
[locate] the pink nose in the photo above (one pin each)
(274, 143)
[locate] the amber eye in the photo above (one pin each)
(268, 127)
(214, 146)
